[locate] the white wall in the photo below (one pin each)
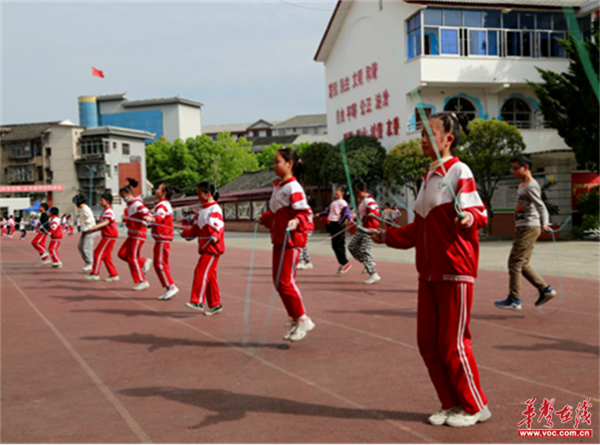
(190, 121)
(14, 204)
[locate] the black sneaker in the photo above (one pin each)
(545, 296)
(196, 306)
(214, 310)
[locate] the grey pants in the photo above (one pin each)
(360, 248)
(518, 261)
(86, 247)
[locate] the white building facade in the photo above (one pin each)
(383, 60)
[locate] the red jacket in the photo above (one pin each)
(135, 212)
(443, 252)
(209, 223)
(110, 231)
(162, 230)
(55, 228)
(366, 207)
(288, 201)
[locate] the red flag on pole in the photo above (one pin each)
(97, 73)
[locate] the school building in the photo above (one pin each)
(172, 117)
(385, 59)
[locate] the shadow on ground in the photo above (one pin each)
(231, 406)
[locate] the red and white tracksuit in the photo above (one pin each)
(2, 228)
(56, 235)
(11, 225)
(135, 212)
(162, 232)
(447, 260)
(103, 251)
(209, 223)
(288, 201)
(39, 241)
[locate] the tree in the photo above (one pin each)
(488, 150)
(406, 164)
(313, 157)
(365, 157)
(569, 101)
(265, 157)
(173, 163)
(232, 158)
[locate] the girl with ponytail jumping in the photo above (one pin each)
(209, 228)
(42, 229)
(162, 232)
(289, 218)
(110, 233)
(135, 212)
(448, 215)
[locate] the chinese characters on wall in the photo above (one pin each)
(352, 113)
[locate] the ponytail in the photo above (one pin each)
(168, 189)
(298, 167)
(453, 122)
(207, 187)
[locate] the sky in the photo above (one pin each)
(243, 60)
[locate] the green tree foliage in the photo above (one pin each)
(569, 103)
(487, 151)
(199, 159)
(265, 157)
(365, 161)
(589, 207)
(406, 164)
(313, 157)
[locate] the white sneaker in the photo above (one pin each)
(301, 266)
(115, 278)
(47, 261)
(308, 266)
(440, 417)
(170, 293)
(92, 277)
(147, 265)
(57, 265)
(292, 324)
(374, 278)
(462, 418)
(87, 268)
(302, 328)
(141, 286)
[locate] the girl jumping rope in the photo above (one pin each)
(445, 235)
(209, 228)
(289, 219)
(135, 212)
(56, 234)
(42, 229)
(162, 232)
(361, 244)
(110, 233)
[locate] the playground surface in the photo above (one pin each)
(95, 362)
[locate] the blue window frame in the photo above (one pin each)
(433, 16)
(492, 18)
(473, 18)
(449, 41)
(432, 41)
(492, 43)
(511, 20)
(513, 43)
(477, 43)
(453, 17)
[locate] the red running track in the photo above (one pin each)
(95, 362)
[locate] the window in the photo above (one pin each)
(107, 170)
(269, 132)
(106, 147)
(38, 150)
(40, 173)
(294, 130)
(255, 133)
(418, 121)
(48, 151)
(281, 132)
(20, 150)
(21, 173)
(126, 151)
(116, 169)
(114, 145)
(516, 112)
(305, 130)
(485, 32)
(461, 105)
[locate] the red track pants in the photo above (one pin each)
(103, 252)
(443, 316)
(206, 287)
(53, 249)
(287, 288)
(39, 244)
(161, 263)
(130, 253)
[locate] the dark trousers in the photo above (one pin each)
(338, 243)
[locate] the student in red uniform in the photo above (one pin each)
(209, 228)
(107, 223)
(2, 227)
(135, 212)
(447, 253)
(289, 218)
(56, 234)
(162, 232)
(360, 245)
(11, 226)
(42, 229)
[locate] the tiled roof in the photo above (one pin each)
(25, 132)
(250, 181)
(259, 142)
(304, 120)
